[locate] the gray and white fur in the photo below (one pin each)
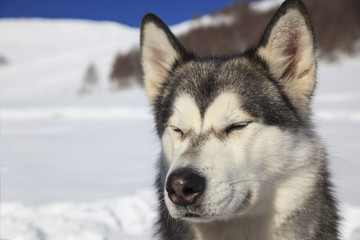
(240, 158)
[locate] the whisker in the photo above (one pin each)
(255, 180)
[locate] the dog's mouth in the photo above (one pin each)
(203, 217)
(191, 215)
(194, 217)
(245, 203)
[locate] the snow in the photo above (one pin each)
(81, 166)
(203, 21)
(55, 55)
(74, 113)
(121, 218)
(264, 6)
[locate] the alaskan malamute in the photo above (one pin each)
(240, 159)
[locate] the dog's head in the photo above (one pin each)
(232, 128)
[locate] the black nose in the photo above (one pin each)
(185, 186)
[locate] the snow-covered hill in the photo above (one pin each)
(80, 166)
(55, 55)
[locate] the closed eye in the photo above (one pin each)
(177, 130)
(236, 126)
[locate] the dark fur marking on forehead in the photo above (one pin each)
(245, 75)
(196, 142)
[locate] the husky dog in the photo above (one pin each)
(240, 158)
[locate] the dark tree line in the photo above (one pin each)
(336, 26)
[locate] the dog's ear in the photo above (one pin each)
(289, 52)
(160, 51)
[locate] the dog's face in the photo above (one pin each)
(231, 126)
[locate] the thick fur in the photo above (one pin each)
(243, 122)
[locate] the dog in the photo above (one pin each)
(240, 158)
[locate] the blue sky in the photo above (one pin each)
(129, 12)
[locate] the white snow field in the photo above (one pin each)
(81, 166)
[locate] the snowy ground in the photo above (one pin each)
(81, 166)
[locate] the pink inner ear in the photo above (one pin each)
(158, 60)
(158, 55)
(293, 51)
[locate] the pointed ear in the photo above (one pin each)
(160, 51)
(289, 52)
